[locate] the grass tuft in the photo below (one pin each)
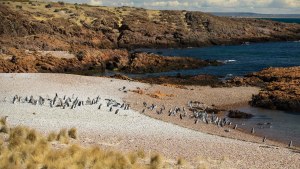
(181, 162)
(32, 136)
(156, 161)
(62, 136)
(52, 136)
(4, 129)
(72, 133)
(133, 157)
(26, 148)
(3, 120)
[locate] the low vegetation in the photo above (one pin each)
(22, 147)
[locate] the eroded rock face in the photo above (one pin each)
(280, 88)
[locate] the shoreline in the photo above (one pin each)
(239, 134)
(129, 130)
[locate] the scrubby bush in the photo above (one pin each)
(61, 3)
(48, 6)
(80, 55)
(19, 6)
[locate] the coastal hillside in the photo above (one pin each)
(60, 37)
(117, 27)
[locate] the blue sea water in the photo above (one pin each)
(238, 60)
(286, 20)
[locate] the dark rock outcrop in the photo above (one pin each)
(151, 63)
(280, 88)
(238, 114)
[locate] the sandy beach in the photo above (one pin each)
(131, 130)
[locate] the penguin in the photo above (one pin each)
(14, 99)
(117, 111)
(31, 99)
(252, 130)
(264, 139)
(291, 144)
(99, 106)
(88, 101)
(54, 99)
(235, 127)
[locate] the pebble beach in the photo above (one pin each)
(131, 130)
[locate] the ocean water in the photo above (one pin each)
(286, 20)
(238, 60)
(284, 126)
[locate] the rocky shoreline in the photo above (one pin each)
(280, 88)
(118, 60)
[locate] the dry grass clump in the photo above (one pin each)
(138, 91)
(3, 125)
(3, 120)
(181, 161)
(156, 161)
(72, 133)
(159, 95)
(4, 129)
(26, 148)
(63, 136)
(52, 136)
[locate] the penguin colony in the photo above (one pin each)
(196, 109)
(197, 112)
(70, 102)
